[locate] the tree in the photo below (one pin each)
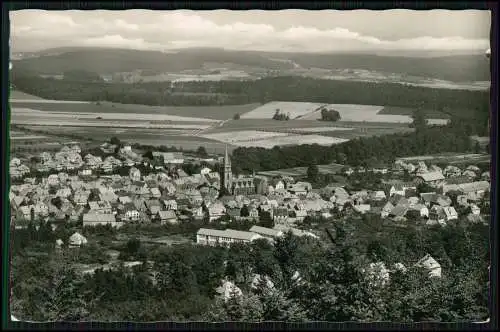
(477, 148)
(57, 202)
(236, 116)
(202, 152)
(329, 115)
(312, 172)
(148, 154)
(115, 141)
(419, 120)
(244, 211)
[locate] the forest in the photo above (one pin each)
(459, 103)
(178, 282)
(364, 151)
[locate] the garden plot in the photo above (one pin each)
(361, 113)
(107, 116)
(294, 109)
(235, 137)
(318, 129)
(291, 140)
(250, 138)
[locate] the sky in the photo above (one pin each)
(285, 30)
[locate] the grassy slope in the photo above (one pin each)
(210, 112)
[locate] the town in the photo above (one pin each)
(83, 191)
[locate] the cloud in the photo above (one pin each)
(180, 29)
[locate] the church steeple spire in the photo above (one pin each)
(227, 172)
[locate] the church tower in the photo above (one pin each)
(227, 175)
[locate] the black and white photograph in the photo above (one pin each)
(249, 166)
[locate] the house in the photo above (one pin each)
(102, 207)
(167, 217)
(378, 195)
(437, 216)
(421, 209)
(362, 208)
(428, 198)
(214, 237)
(41, 209)
(94, 219)
(130, 212)
(155, 193)
(475, 219)
(258, 279)
(441, 200)
(153, 206)
(469, 174)
(53, 180)
(134, 174)
(77, 240)
(452, 171)
(280, 215)
(216, 211)
(475, 210)
(295, 231)
(170, 204)
(386, 210)
(228, 290)
(431, 178)
(398, 212)
(430, 264)
(450, 212)
(63, 193)
(397, 190)
(267, 233)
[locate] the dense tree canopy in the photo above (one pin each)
(181, 283)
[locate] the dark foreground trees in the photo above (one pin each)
(310, 280)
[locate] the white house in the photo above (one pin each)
(430, 264)
(213, 237)
(450, 212)
(397, 190)
(228, 290)
(168, 216)
(216, 211)
(265, 232)
(77, 240)
(94, 219)
(135, 174)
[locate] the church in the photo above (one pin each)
(241, 185)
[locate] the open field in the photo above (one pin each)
(318, 129)
(31, 113)
(348, 112)
(15, 94)
(295, 110)
(450, 158)
(302, 171)
(395, 110)
(155, 137)
(208, 112)
(276, 139)
(243, 136)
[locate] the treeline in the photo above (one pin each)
(363, 151)
(467, 104)
(329, 115)
(180, 286)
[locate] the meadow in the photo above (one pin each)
(302, 171)
(293, 109)
(206, 112)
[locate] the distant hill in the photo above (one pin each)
(452, 67)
